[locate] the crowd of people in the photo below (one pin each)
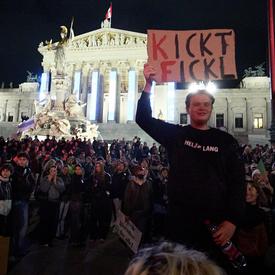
(80, 185)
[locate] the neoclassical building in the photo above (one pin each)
(104, 69)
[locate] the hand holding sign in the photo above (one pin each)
(187, 56)
(149, 74)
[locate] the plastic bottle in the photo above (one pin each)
(232, 253)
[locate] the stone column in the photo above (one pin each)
(132, 67)
(77, 68)
(105, 108)
(123, 108)
(5, 111)
(84, 86)
(18, 110)
(119, 89)
(103, 90)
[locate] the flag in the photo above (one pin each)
(261, 167)
(26, 125)
(109, 13)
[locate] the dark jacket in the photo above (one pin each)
(22, 183)
(137, 198)
(206, 178)
(5, 194)
(119, 183)
(77, 188)
(100, 189)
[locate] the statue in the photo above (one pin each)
(116, 39)
(59, 127)
(122, 39)
(59, 57)
(31, 77)
(160, 115)
(106, 24)
(94, 41)
(258, 71)
(104, 39)
(73, 108)
(87, 130)
(49, 44)
(44, 105)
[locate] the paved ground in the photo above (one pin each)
(109, 258)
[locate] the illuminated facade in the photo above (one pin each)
(104, 69)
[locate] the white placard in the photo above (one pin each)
(128, 232)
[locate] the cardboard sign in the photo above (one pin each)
(128, 232)
(189, 56)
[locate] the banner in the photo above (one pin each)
(26, 125)
(128, 232)
(189, 56)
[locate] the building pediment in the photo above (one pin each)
(104, 38)
(108, 38)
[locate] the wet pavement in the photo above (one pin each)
(108, 258)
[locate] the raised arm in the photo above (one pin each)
(159, 130)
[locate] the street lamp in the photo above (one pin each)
(209, 87)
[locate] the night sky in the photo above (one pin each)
(25, 23)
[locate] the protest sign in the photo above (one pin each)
(188, 56)
(128, 232)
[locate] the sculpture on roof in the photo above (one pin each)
(257, 71)
(31, 77)
(106, 23)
